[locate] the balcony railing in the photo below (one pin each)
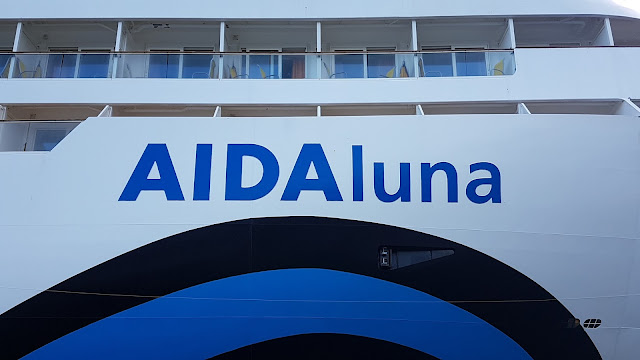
(33, 135)
(259, 65)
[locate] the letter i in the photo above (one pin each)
(202, 177)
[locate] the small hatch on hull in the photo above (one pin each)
(396, 258)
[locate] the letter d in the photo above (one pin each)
(271, 171)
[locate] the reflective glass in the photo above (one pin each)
(293, 67)
(61, 65)
(47, 139)
(198, 66)
(164, 65)
(263, 67)
(471, 64)
(381, 65)
(94, 66)
(4, 65)
(349, 66)
(437, 64)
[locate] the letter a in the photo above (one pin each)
(168, 182)
(311, 154)
(494, 181)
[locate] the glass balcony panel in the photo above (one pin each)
(29, 66)
(501, 63)
(235, 67)
(437, 64)
(94, 65)
(263, 67)
(164, 66)
(33, 135)
(350, 66)
(381, 66)
(47, 139)
(199, 66)
(5, 65)
(293, 67)
(471, 64)
(61, 65)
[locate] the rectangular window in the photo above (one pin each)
(47, 139)
(381, 65)
(471, 64)
(164, 66)
(293, 66)
(349, 66)
(4, 65)
(61, 65)
(263, 66)
(437, 64)
(94, 65)
(198, 66)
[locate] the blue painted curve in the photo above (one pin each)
(219, 316)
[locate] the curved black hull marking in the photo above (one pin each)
(324, 347)
(245, 246)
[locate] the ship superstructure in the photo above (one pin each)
(458, 181)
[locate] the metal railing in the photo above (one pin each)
(259, 65)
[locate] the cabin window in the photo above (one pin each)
(264, 66)
(381, 65)
(94, 65)
(47, 139)
(164, 65)
(4, 65)
(198, 66)
(437, 64)
(293, 66)
(471, 64)
(62, 65)
(349, 65)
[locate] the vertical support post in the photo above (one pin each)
(605, 37)
(222, 49)
(106, 112)
(523, 109)
(414, 36)
(120, 44)
(18, 37)
(627, 107)
(414, 47)
(16, 48)
(217, 112)
(3, 112)
(318, 111)
(319, 50)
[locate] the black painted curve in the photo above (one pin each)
(324, 347)
(469, 279)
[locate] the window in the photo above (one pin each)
(437, 64)
(293, 66)
(4, 65)
(471, 64)
(94, 65)
(62, 65)
(164, 65)
(264, 66)
(349, 65)
(198, 66)
(47, 139)
(381, 65)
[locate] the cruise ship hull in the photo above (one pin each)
(446, 236)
